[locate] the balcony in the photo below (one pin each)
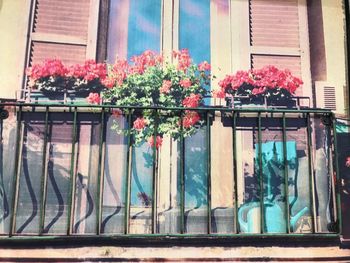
(66, 172)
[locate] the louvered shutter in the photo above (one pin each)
(63, 29)
(278, 37)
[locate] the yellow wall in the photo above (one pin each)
(13, 28)
(335, 47)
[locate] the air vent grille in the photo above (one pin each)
(329, 98)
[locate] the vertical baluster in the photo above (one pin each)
(235, 177)
(17, 170)
(44, 174)
(338, 182)
(311, 174)
(208, 142)
(182, 177)
(100, 174)
(261, 177)
(154, 175)
(71, 197)
(128, 178)
(285, 170)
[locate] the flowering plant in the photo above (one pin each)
(147, 81)
(52, 77)
(277, 86)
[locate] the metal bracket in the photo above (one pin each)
(4, 114)
(326, 120)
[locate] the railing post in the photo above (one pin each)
(311, 174)
(182, 177)
(100, 174)
(128, 177)
(44, 174)
(261, 177)
(154, 175)
(71, 201)
(235, 176)
(17, 171)
(338, 181)
(208, 142)
(285, 170)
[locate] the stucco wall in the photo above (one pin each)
(13, 28)
(335, 44)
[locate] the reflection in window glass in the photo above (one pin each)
(134, 27)
(194, 28)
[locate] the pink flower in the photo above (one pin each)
(93, 98)
(109, 82)
(204, 66)
(159, 141)
(186, 83)
(139, 124)
(220, 93)
(190, 119)
(165, 88)
(77, 71)
(183, 59)
(192, 101)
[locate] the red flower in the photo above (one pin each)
(93, 98)
(183, 59)
(50, 67)
(220, 93)
(77, 71)
(140, 123)
(159, 141)
(109, 82)
(190, 119)
(147, 59)
(192, 101)
(165, 88)
(186, 83)
(204, 66)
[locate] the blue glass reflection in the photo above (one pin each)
(144, 26)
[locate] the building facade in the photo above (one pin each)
(67, 176)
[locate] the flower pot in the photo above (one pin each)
(53, 97)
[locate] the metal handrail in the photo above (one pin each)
(234, 114)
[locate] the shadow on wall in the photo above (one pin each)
(0, 5)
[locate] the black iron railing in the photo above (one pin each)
(65, 171)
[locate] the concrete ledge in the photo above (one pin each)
(176, 254)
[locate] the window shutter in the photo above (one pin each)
(276, 37)
(64, 29)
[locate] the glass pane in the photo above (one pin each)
(168, 195)
(28, 210)
(299, 188)
(87, 173)
(272, 168)
(134, 26)
(113, 208)
(7, 167)
(141, 189)
(324, 181)
(222, 180)
(196, 186)
(194, 30)
(248, 188)
(58, 171)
